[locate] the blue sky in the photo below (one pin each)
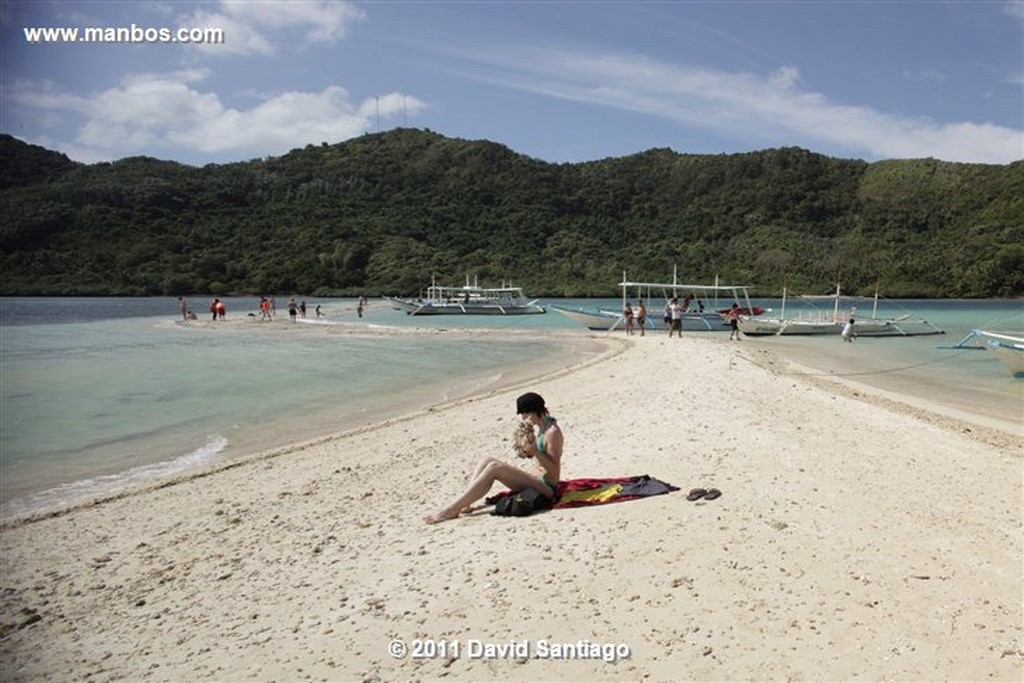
(557, 80)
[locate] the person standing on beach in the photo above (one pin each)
(213, 308)
(264, 309)
(221, 311)
(302, 308)
(547, 451)
(627, 313)
(183, 305)
(733, 316)
(293, 309)
(641, 316)
(677, 319)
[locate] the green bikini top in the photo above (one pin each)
(548, 421)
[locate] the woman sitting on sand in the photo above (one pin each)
(547, 450)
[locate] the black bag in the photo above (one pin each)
(521, 503)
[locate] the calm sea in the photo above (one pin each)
(102, 393)
(99, 394)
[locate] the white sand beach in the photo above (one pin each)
(860, 535)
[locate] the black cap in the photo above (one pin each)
(530, 403)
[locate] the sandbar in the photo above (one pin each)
(858, 537)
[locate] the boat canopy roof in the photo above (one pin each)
(833, 297)
(474, 288)
(680, 286)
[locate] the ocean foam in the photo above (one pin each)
(77, 492)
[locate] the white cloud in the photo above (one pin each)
(322, 20)
(786, 77)
(766, 109)
(239, 38)
(276, 125)
(264, 27)
(153, 114)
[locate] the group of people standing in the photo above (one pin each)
(673, 314)
(636, 318)
(218, 309)
(267, 309)
(295, 308)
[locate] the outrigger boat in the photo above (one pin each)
(470, 299)
(818, 321)
(1008, 348)
(704, 313)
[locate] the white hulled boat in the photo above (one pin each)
(821, 321)
(705, 306)
(470, 299)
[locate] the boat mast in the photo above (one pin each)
(624, 285)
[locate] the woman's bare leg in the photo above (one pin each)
(496, 470)
(481, 466)
(484, 462)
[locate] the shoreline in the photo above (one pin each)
(987, 421)
(786, 362)
(386, 411)
(994, 430)
(851, 540)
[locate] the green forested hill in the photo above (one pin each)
(382, 213)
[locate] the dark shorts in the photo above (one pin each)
(677, 324)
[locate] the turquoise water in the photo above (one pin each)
(98, 394)
(93, 401)
(971, 381)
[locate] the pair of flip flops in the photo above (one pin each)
(706, 494)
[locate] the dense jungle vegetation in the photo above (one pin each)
(382, 213)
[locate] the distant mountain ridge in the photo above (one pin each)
(25, 164)
(384, 212)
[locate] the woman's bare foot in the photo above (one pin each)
(445, 514)
(442, 516)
